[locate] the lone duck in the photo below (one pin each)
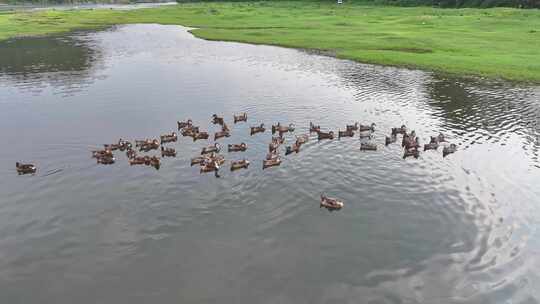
(211, 149)
(390, 139)
(411, 152)
(325, 135)
(168, 152)
(368, 147)
(149, 146)
(267, 163)
(105, 160)
(282, 129)
(25, 168)
(101, 153)
(237, 147)
(330, 203)
(371, 127)
(313, 128)
(200, 135)
(401, 130)
(449, 149)
(346, 133)
(184, 124)
(217, 120)
(221, 134)
(240, 164)
(259, 129)
(352, 127)
(173, 137)
(241, 117)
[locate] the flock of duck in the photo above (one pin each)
(210, 160)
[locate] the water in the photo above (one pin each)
(462, 229)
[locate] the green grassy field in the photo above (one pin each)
(499, 42)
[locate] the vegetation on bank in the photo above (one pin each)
(490, 42)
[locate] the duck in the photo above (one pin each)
(101, 153)
(166, 138)
(25, 168)
(282, 129)
(112, 147)
(221, 134)
(346, 133)
(302, 139)
(409, 141)
(440, 138)
(153, 145)
(241, 117)
(352, 127)
(431, 146)
(211, 149)
(293, 148)
(124, 145)
(259, 129)
(401, 130)
(155, 162)
(313, 128)
(184, 124)
(368, 147)
(139, 143)
(217, 120)
(139, 160)
(239, 164)
(105, 160)
(449, 149)
(267, 163)
(209, 165)
(189, 131)
(371, 127)
(130, 153)
(411, 152)
(168, 152)
(200, 135)
(198, 160)
(325, 135)
(330, 203)
(390, 139)
(237, 147)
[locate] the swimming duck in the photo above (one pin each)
(411, 152)
(282, 129)
(105, 160)
(352, 127)
(139, 160)
(142, 142)
(131, 153)
(25, 168)
(449, 149)
(347, 133)
(217, 120)
(102, 153)
(170, 152)
(313, 128)
(153, 145)
(325, 135)
(237, 147)
(240, 164)
(330, 203)
(221, 134)
(173, 137)
(401, 130)
(155, 162)
(390, 139)
(259, 129)
(409, 141)
(189, 131)
(200, 135)
(293, 148)
(210, 166)
(184, 124)
(267, 163)
(211, 149)
(367, 128)
(302, 139)
(368, 147)
(198, 160)
(239, 118)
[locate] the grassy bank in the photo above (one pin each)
(493, 42)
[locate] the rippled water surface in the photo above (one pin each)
(460, 229)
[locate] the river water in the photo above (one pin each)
(459, 229)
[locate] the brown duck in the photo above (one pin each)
(259, 129)
(237, 147)
(221, 134)
(325, 135)
(346, 133)
(330, 203)
(105, 160)
(240, 164)
(200, 135)
(25, 168)
(282, 129)
(267, 163)
(184, 124)
(154, 145)
(241, 117)
(102, 153)
(173, 137)
(211, 149)
(168, 152)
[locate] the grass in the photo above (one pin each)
(495, 43)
